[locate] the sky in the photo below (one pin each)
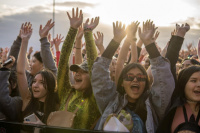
(164, 13)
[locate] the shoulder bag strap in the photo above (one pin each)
(198, 116)
(70, 95)
(78, 107)
(185, 114)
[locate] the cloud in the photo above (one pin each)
(10, 24)
(192, 21)
(75, 4)
(8, 10)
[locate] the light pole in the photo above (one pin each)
(53, 16)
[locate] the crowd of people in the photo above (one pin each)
(144, 88)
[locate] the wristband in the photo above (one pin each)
(87, 29)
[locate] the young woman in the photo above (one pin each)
(133, 93)
(43, 98)
(40, 60)
(184, 113)
(81, 92)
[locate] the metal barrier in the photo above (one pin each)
(14, 127)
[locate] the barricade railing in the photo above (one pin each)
(14, 127)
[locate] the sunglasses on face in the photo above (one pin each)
(131, 77)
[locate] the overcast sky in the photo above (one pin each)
(164, 13)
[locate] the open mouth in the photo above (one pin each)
(197, 92)
(135, 86)
(78, 80)
(36, 91)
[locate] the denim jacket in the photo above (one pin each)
(110, 101)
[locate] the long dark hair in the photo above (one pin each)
(13, 84)
(183, 78)
(52, 101)
(37, 55)
(140, 103)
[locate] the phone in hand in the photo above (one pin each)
(31, 118)
(7, 62)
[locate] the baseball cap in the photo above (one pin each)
(83, 66)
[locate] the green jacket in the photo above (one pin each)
(88, 113)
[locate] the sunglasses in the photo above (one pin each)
(131, 77)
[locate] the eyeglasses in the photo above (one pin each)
(131, 77)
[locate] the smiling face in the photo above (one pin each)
(35, 66)
(192, 88)
(82, 80)
(39, 91)
(134, 88)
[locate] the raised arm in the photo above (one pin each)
(130, 41)
(91, 50)
(99, 42)
(163, 84)
(21, 75)
(78, 46)
(63, 80)
(57, 41)
(14, 50)
(131, 36)
(175, 45)
(46, 54)
(104, 88)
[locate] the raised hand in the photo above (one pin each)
(119, 31)
(30, 50)
(26, 31)
(98, 38)
(75, 20)
(194, 50)
(93, 24)
(45, 31)
(57, 41)
(99, 41)
(50, 40)
(183, 29)
(189, 46)
(6, 50)
(148, 32)
(22, 27)
(174, 32)
(156, 36)
(131, 30)
(4, 54)
(80, 32)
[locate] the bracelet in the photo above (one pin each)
(77, 48)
